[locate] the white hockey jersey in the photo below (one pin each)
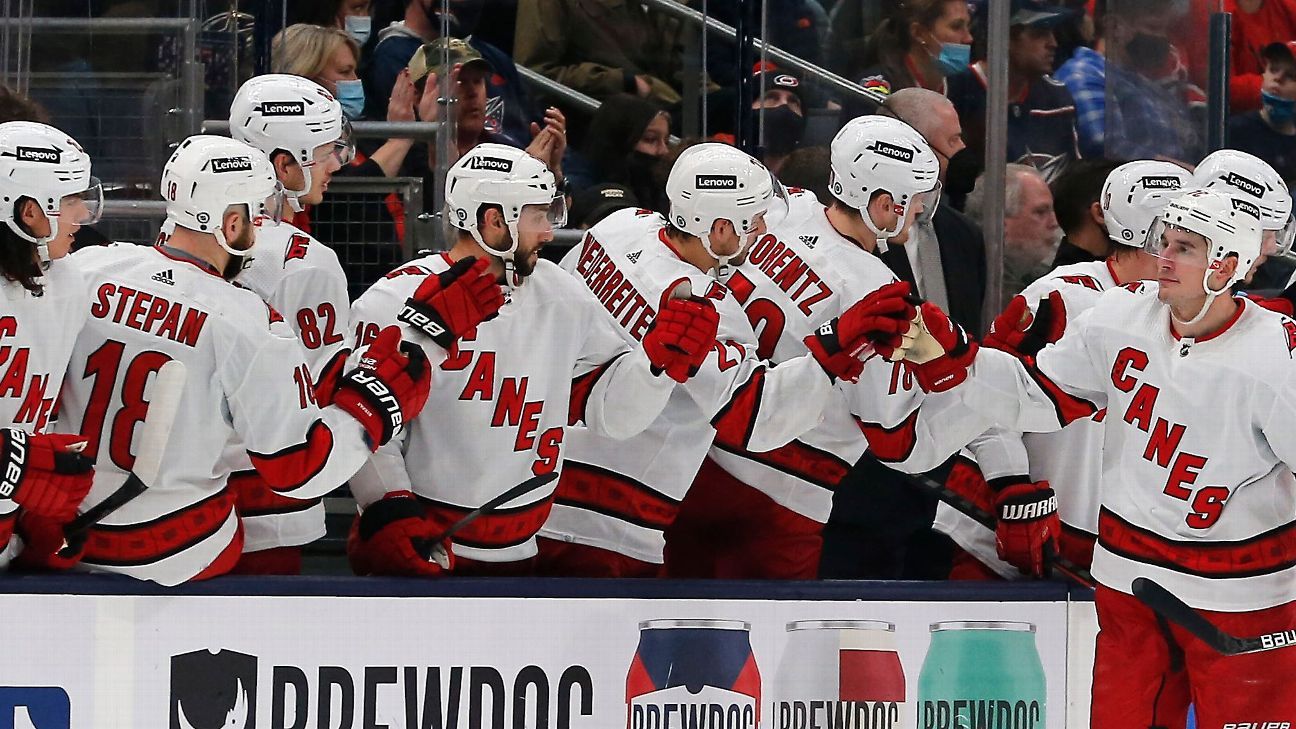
(796, 278)
(303, 281)
(1070, 459)
(500, 405)
(248, 391)
(622, 495)
(1198, 441)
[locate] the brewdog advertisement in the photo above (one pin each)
(202, 662)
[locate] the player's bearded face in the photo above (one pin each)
(534, 231)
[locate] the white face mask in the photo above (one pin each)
(357, 26)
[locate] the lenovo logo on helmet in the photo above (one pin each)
(716, 182)
(231, 164)
(37, 154)
(1248, 186)
(490, 163)
(886, 149)
(283, 108)
(1246, 207)
(1167, 182)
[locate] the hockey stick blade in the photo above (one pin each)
(425, 546)
(1165, 604)
(164, 403)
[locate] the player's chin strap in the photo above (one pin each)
(1210, 299)
(245, 257)
(882, 235)
(292, 195)
(42, 244)
(722, 268)
(511, 278)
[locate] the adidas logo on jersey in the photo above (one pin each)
(886, 149)
(1157, 182)
(165, 277)
(490, 163)
(1246, 185)
(633, 257)
(231, 164)
(715, 182)
(809, 240)
(283, 108)
(38, 154)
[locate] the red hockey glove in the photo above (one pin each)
(45, 474)
(941, 352)
(453, 302)
(681, 337)
(1028, 528)
(327, 383)
(880, 319)
(1021, 334)
(43, 544)
(386, 537)
(388, 389)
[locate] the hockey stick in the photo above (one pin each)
(1165, 604)
(1064, 566)
(425, 546)
(164, 402)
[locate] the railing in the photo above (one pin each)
(361, 129)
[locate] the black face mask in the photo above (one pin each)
(783, 129)
(464, 16)
(1148, 52)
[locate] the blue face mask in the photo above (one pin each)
(954, 57)
(1281, 111)
(350, 94)
(358, 26)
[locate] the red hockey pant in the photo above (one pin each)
(567, 559)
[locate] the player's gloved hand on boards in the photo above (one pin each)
(941, 351)
(388, 389)
(881, 320)
(1022, 334)
(681, 336)
(388, 537)
(43, 545)
(451, 303)
(45, 474)
(1028, 524)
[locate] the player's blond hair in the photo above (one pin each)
(306, 50)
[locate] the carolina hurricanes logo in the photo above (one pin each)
(296, 247)
(1290, 327)
(235, 718)
(1088, 282)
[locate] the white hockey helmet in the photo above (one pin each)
(207, 174)
(713, 181)
(1229, 223)
(279, 111)
(1134, 195)
(496, 174)
(44, 164)
(1239, 173)
(874, 154)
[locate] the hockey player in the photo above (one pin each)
(247, 390)
(46, 194)
(616, 497)
(1067, 461)
(500, 405)
(761, 515)
(301, 128)
(1251, 178)
(1199, 442)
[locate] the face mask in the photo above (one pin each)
(1281, 111)
(357, 26)
(1148, 52)
(954, 57)
(350, 94)
(783, 128)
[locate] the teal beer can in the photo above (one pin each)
(981, 675)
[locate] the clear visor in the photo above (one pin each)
(1173, 244)
(779, 206)
(924, 204)
(1281, 240)
(271, 209)
(541, 218)
(85, 207)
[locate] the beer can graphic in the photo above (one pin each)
(693, 673)
(839, 673)
(981, 674)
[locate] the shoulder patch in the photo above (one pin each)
(275, 316)
(1137, 287)
(1086, 281)
(1289, 327)
(296, 247)
(408, 271)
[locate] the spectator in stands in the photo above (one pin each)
(1076, 195)
(1031, 231)
(601, 48)
(625, 144)
(1270, 132)
(1256, 24)
(796, 26)
(351, 16)
(395, 46)
(1041, 113)
(783, 105)
(1151, 114)
(593, 204)
(921, 43)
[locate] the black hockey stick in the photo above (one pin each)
(1064, 566)
(1165, 604)
(425, 546)
(164, 403)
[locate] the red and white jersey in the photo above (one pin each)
(1069, 459)
(500, 406)
(797, 277)
(622, 495)
(1198, 441)
(302, 279)
(248, 393)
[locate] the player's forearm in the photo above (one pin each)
(792, 403)
(942, 426)
(1000, 452)
(383, 473)
(628, 397)
(347, 451)
(999, 387)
